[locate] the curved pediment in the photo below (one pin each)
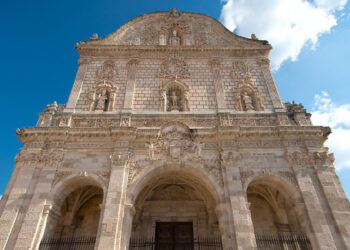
(175, 28)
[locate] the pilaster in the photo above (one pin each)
(271, 84)
(130, 85)
(321, 232)
(113, 209)
(242, 221)
(219, 89)
(77, 86)
(335, 196)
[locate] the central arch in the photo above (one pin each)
(170, 196)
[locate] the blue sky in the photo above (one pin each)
(311, 57)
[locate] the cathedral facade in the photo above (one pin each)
(174, 136)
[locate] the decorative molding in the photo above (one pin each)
(120, 158)
(40, 159)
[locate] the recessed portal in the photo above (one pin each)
(175, 211)
(174, 236)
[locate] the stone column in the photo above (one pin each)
(338, 203)
(130, 85)
(219, 89)
(271, 85)
(77, 86)
(113, 209)
(242, 221)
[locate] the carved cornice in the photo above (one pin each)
(109, 134)
(203, 51)
(32, 134)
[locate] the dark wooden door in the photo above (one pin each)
(174, 236)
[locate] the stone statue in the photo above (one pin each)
(164, 100)
(175, 39)
(174, 101)
(248, 102)
(187, 101)
(102, 101)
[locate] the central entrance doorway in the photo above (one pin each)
(174, 236)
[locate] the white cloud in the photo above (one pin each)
(327, 113)
(287, 24)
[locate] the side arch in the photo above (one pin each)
(278, 182)
(73, 182)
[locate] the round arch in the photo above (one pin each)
(278, 182)
(73, 182)
(276, 207)
(196, 171)
(173, 193)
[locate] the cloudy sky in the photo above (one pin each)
(310, 56)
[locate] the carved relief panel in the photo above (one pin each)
(174, 93)
(246, 94)
(101, 96)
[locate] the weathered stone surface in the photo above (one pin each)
(172, 118)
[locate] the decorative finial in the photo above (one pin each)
(94, 36)
(18, 131)
(174, 12)
(253, 36)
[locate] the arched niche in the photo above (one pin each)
(75, 211)
(276, 207)
(248, 98)
(175, 96)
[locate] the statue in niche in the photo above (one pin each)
(174, 39)
(164, 100)
(102, 101)
(174, 101)
(186, 100)
(248, 102)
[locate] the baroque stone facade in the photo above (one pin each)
(174, 119)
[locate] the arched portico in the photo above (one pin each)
(74, 218)
(277, 213)
(166, 196)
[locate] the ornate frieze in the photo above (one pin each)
(301, 159)
(40, 159)
(230, 120)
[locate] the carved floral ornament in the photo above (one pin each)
(102, 94)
